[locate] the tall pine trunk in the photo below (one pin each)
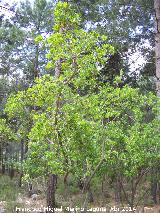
(22, 157)
(36, 63)
(157, 43)
(154, 188)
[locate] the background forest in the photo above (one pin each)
(79, 106)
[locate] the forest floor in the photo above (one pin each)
(12, 198)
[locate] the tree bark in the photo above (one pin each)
(2, 162)
(157, 44)
(4, 159)
(157, 56)
(3, 168)
(22, 157)
(117, 189)
(36, 62)
(155, 191)
(11, 171)
(51, 188)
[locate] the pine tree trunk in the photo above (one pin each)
(157, 43)
(157, 55)
(3, 166)
(4, 159)
(36, 62)
(22, 157)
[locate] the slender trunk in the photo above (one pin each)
(90, 195)
(3, 167)
(3, 163)
(11, 171)
(157, 54)
(142, 210)
(22, 157)
(20, 180)
(117, 191)
(35, 62)
(30, 189)
(3, 156)
(155, 184)
(65, 178)
(157, 43)
(133, 187)
(88, 199)
(154, 191)
(51, 189)
(65, 185)
(85, 203)
(102, 184)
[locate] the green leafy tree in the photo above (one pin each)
(129, 25)
(75, 55)
(133, 131)
(21, 55)
(80, 126)
(22, 59)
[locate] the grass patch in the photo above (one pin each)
(8, 189)
(8, 192)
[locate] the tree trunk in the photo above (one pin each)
(3, 163)
(4, 159)
(157, 43)
(117, 191)
(3, 168)
(51, 189)
(22, 157)
(157, 56)
(90, 195)
(1, 158)
(154, 191)
(11, 171)
(36, 62)
(20, 180)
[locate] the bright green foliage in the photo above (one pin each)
(73, 119)
(55, 146)
(5, 132)
(81, 52)
(65, 17)
(132, 130)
